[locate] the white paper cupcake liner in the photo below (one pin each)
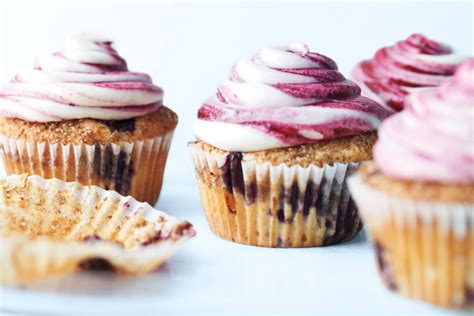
(51, 228)
(425, 249)
(130, 168)
(275, 206)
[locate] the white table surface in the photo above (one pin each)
(211, 275)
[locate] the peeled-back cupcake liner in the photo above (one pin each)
(424, 249)
(275, 206)
(52, 228)
(130, 168)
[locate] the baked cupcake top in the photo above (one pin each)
(87, 79)
(398, 70)
(284, 96)
(433, 138)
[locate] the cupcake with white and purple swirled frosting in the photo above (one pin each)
(417, 196)
(81, 115)
(275, 145)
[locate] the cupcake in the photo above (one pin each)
(417, 197)
(396, 71)
(80, 115)
(275, 145)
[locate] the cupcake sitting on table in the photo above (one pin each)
(275, 146)
(81, 115)
(398, 70)
(417, 197)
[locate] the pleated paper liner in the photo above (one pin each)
(424, 250)
(53, 228)
(130, 168)
(275, 206)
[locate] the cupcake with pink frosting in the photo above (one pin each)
(81, 115)
(275, 145)
(417, 197)
(396, 71)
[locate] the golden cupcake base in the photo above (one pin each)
(265, 205)
(127, 156)
(424, 249)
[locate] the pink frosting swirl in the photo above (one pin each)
(433, 138)
(396, 71)
(88, 79)
(285, 96)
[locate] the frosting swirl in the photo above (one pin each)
(88, 79)
(398, 70)
(433, 138)
(284, 96)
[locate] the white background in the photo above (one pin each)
(188, 48)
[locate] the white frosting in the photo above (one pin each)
(259, 95)
(244, 138)
(284, 96)
(285, 57)
(40, 111)
(88, 79)
(448, 59)
(250, 72)
(80, 94)
(38, 76)
(300, 115)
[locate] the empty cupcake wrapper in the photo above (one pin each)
(51, 228)
(275, 206)
(130, 168)
(424, 250)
